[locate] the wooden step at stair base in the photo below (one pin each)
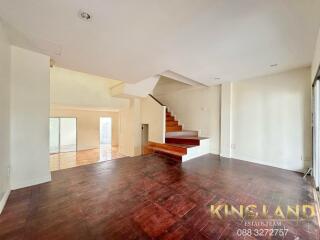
(174, 151)
(178, 149)
(173, 128)
(171, 156)
(189, 140)
(184, 133)
(181, 152)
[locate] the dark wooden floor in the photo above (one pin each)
(151, 197)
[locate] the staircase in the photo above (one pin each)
(180, 145)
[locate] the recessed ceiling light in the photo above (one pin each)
(85, 15)
(274, 65)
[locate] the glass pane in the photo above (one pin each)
(317, 134)
(105, 130)
(68, 134)
(54, 135)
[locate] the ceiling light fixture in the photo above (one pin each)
(85, 16)
(52, 63)
(213, 77)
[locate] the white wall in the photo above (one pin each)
(76, 89)
(265, 120)
(29, 118)
(196, 108)
(154, 114)
(271, 120)
(140, 111)
(4, 116)
(316, 58)
(130, 129)
(88, 126)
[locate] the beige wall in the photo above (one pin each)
(4, 115)
(30, 103)
(316, 58)
(140, 111)
(75, 89)
(271, 120)
(154, 114)
(196, 108)
(166, 85)
(130, 129)
(88, 126)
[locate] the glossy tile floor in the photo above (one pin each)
(73, 159)
(150, 197)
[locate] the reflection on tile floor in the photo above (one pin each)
(73, 159)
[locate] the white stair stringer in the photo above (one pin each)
(197, 151)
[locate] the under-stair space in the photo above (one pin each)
(180, 145)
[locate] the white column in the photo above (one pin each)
(226, 120)
(30, 105)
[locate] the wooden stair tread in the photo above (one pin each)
(172, 123)
(166, 151)
(187, 137)
(171, 147)
(186, 140)
(173, 128)
(181, 145)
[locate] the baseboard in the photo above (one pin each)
(4, 200)
(224, 155)
(30, 182)
(238, 157)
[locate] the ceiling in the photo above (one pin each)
(167, 85)
(209, 41)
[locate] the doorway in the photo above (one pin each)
(144, 138)
(63, 134)
(105, 131)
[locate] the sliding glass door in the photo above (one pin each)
(316, 132)
(54, 135)
(63, 135)
(105, 130)
(68, 134)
